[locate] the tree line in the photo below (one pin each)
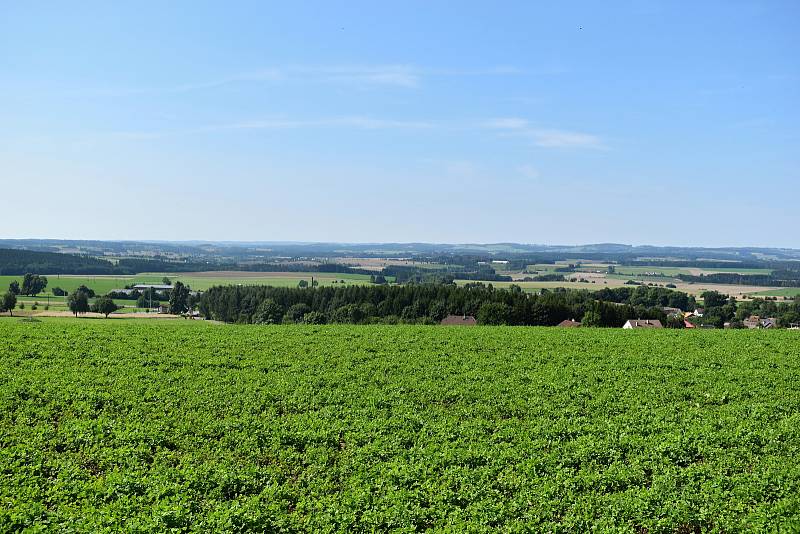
(782, 278)
(17, 262)
(430, 303)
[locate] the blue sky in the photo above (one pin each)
(536, 122)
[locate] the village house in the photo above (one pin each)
(754, 321)
(642, 323)
(459, 320)
(672, 311)
(569, 323)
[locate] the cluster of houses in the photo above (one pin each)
(754, 321)
(629, 324)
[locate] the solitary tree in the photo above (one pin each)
(78, 302)
(105, 306)
(166, 281)
(179, 299)
(302, 284)
(33, 284)
(8, 303)
(89, 291)
(13, 288)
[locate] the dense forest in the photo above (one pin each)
(783, 278)
(19, 262)
(429, 303)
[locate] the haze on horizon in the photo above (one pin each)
(661, 123)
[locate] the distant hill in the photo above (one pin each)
(199, 255)
(19, 262)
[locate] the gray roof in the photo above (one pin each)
(153, 286)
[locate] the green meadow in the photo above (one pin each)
(200, 281)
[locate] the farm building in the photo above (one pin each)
(569, 323)
(459, 320)
(157, 287)
(769, 322)
(643, 323)
(672, 311)
(754, 321)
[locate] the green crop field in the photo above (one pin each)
(708, 270)
(202, 281)
(101, 284)
(666, 271)
(199, 281)
(535, 287)
(192, 426)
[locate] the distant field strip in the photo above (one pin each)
(199, 281)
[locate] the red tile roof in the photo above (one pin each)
(461, 320)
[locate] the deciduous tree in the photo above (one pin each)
(33, 284)
(8, 303)
(105, 305)
(78, 302)
(179, 298)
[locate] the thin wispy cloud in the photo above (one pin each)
(357, 122)
(509, 126)
(261, 76)
(545, 137)
(348, 122)
(396, 75)
(386, 75)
